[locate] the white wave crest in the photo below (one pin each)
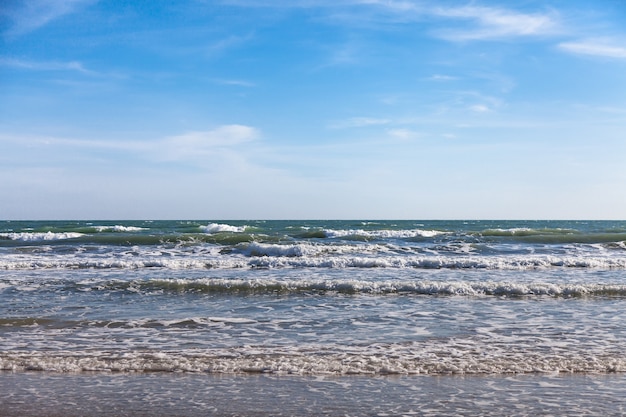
(39, 236)
(505, 288)
(262, 249)
(465, 356)
(262, 255)
(119, 228)
(220, 228)
(401, 234)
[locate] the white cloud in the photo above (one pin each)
(344, 55)
(479, 108)
(347, 53)
(45, 65)
(599, 47)
(398, 6)
(494, 23)
(360, 122)
(238, 83)
(483, 22)
(309, 4)
(30, 15)
(188, 146)
(403, 134)
(442, 77)
(200, 144)
(230, 42)
(49, 142)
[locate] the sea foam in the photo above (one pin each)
(220, 228)
(39, 236)
(119, 228)
(460, 357)
(382, 234)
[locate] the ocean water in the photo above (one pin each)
(387, 307)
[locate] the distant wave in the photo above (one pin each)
(382, 234)
(554, 236)
(527, 231)
(40, 236)
(118, 228)
(220, 228)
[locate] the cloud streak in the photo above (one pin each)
(203, 144)
(483, 22)
(360, 122)
(188, 146)
(28, 16)
(599, 48)
(237, 83)
(45, 65)
(494, 23)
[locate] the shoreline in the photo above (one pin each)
(43, 394)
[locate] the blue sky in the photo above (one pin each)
(270, 109)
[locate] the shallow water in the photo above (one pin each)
(99, 395)
(526, 312)
(90, 320)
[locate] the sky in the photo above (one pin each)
(312, 109)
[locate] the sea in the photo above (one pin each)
(306, 318)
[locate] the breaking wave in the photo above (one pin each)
(221, 228)
(39, 236)
(342, 286)
(444, 357)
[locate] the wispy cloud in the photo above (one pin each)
(201, 144)
(188, 146)
(442, 77)
(30, 15)
(291, 4)
(50, 143)
(494, 23)
(596, 47)
(403, 133)
(344, 54)
(237, 83)
(400, 6)
(224, 44)
(479, 108)
(360, 122)
(483, 22)
(460, 102)
(45, 65)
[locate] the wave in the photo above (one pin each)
(108, 241)
(527, 231)
(389, 287)
(553, 236)
(257, 249)
(49, 323)
(441, 357)
(222, 228)
(348, 287)
(39, 236)
(297, 257)
(119, 229)
(382, 234)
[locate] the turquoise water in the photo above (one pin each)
(325, 301)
